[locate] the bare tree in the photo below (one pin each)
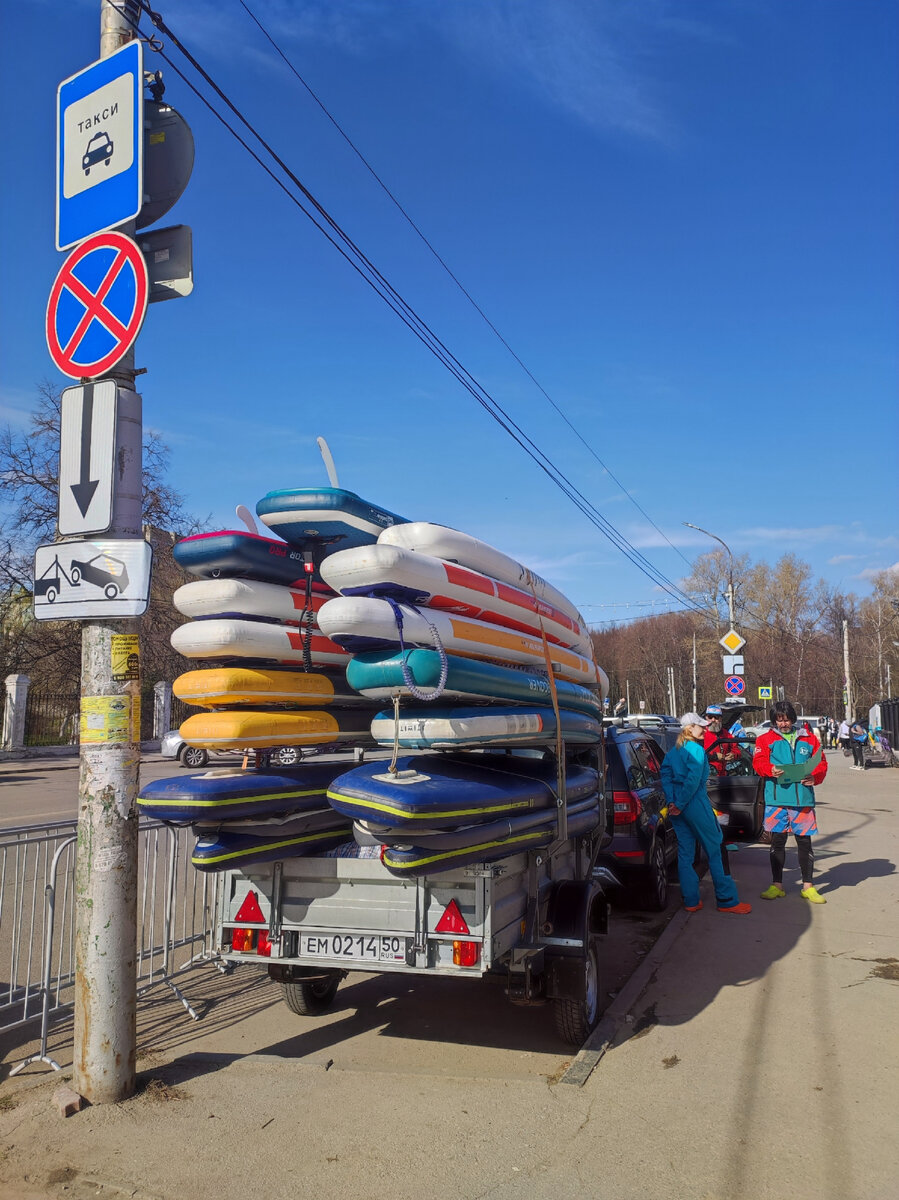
(50, 651)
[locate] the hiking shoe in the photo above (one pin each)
(814, 896)
(774, 892)
(740, 908)
(693, 907)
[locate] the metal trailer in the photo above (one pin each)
(536, 916)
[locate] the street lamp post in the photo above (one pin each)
(730, 569)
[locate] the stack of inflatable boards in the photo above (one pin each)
(275, 680)
(469, 640)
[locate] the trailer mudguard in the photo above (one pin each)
(576, 911)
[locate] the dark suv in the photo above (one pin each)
(643, 842)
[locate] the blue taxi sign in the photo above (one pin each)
(99, 146)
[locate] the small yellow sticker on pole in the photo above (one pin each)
(106, 719)
(125, 656)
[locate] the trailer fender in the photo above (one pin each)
(577, 910)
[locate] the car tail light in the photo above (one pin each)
(466, 954)
(627, 807)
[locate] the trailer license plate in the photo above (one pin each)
(356, 947)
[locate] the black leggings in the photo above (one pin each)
(779, 853)
(858, 753)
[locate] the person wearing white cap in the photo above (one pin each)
(684, 774)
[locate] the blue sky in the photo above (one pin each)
(679, 215)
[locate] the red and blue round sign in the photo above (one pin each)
(734, 685)
(97, 305)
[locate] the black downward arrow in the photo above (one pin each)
(84, 489)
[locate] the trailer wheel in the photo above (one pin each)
(311, 999)
(575, 1019)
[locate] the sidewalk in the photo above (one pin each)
(751, 1057)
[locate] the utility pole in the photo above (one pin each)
(105, 1023)
(694, 673)
(847, 691)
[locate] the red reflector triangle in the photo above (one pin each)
(452, 920)
(250, 910)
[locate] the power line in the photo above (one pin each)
(358, 260)
(453, 276)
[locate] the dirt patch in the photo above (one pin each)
(160, 1092)
(8, 1103)
(671, 1061)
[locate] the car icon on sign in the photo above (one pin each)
(99, 148)
(106, 572)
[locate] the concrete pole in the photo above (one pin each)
(105, 1018)
(846, 671)
(694, 673)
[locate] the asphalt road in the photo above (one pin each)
(36, 790)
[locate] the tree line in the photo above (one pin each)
(793, 624)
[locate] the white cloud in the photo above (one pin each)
(870, 572)
(795, 533)
(841, 558)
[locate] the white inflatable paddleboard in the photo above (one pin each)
(384, 570)
(442, 542)
(228, 638)
(244, 598)
(361, 623)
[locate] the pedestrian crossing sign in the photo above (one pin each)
(764, 693)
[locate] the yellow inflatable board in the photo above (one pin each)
(219, 687)
(234, 729)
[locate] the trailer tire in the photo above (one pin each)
(313, 998)
(575, 1019)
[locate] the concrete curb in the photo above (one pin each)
(606, 1031)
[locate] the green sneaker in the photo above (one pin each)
(814, 896)
(774, 892)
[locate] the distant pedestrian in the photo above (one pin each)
(843, 734)
(684, 774)
(859, 739)
(620, 709)
(789, 806)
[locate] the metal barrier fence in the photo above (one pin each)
(175, 919)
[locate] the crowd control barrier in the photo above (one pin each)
(175, 920)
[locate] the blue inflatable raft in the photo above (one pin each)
(227, 849)
(496, 840)
(436, 791)
(243, 555)
(221, 795)
(324, 516)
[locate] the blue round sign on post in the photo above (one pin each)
(97, 305)
(734, 685)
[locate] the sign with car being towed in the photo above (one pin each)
(91, 579)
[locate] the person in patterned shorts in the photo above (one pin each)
(789, 805)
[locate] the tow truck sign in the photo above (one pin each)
(90, 580)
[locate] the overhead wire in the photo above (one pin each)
(438, 257)
(360, 262)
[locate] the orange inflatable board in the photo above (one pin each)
(220, 687)
(238, 730)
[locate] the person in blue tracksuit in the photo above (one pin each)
(684, 774)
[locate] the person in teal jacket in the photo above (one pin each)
(779, 755)
(684, 773)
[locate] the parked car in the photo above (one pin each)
(173, 745)
(754, 732)
(663, 728)
(643, 845)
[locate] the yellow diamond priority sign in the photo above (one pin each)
(732, 641)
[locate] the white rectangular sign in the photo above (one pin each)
(91, 579)
(733, 664)
(87, 436)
